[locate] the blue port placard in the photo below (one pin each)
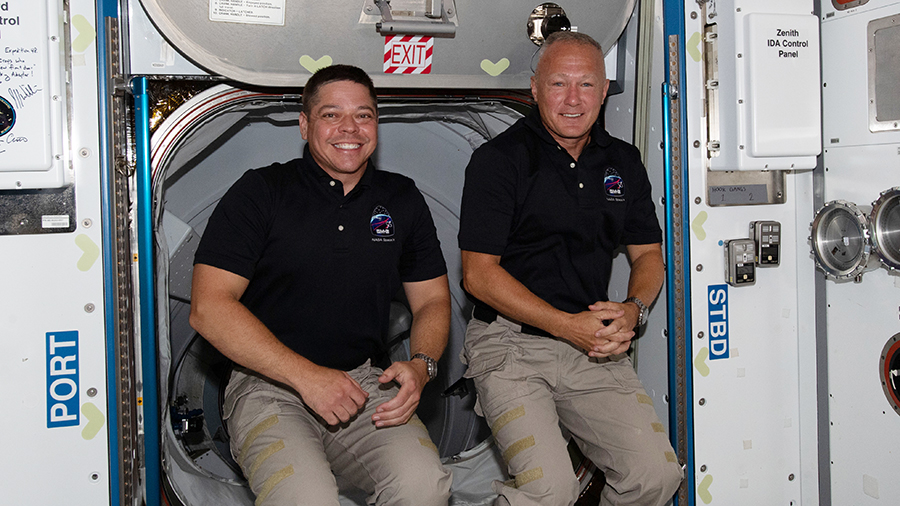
(62, 379)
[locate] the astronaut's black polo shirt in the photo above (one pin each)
(323, 267)
(554, 221)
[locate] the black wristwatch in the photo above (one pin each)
(642, 316)
(430, 364)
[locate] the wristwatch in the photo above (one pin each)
(430, 364)
(642, 316)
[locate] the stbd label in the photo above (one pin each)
(717, 299)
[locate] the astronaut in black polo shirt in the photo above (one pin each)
(293, 280)
(544, 205)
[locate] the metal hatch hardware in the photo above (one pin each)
(884, 228)
(840, 240)
(434, 9)
(889, 371)
(882, 37)
(546, 19)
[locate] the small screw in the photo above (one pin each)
(95, 476)
(91, 392)
(85, 152)
(696, 144)
(55, 98)
(703, 468)
(699, 267)
(58, 157)
(739, 9)
(86, 223)
(791, 477)
(740, 100)
(702, 402)
(740, 55)
(18, 184)
(54, 38)
(700, 335)
(698, 200)
(741, 146)
(779, 194)
(89, 307)
(694, 15)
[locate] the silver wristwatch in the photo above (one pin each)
(430, 364)
(642, 316)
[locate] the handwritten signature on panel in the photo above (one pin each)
(22, 93)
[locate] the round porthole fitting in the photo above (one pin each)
(840, 240)
(546, 19)
(889, 370)
(884, 227)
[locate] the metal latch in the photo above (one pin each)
(434, 10)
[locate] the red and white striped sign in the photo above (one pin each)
(407, 54)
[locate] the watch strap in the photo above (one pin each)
(642, 315)
(430, 364)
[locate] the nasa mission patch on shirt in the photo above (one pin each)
(382, 225)
(613, 185)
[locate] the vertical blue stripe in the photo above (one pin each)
(147, 296)
(673, 20)
(108, 8)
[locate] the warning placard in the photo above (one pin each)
(256, 12)
(407, 54)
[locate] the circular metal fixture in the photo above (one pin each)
(7, 116)
(546, 19)
(884, 227)
(889, 370)
(840, 240)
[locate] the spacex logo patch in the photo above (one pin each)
(381, 223)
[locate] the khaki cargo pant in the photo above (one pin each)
(527, 385)
(289, 455)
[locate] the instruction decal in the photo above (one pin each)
(717, 299)
(408, 54)
(251, 12)
(788, 42)
(62, 379)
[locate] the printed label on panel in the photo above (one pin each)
(62, 379)
(407, 54)
(717, 298)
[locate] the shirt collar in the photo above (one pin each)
(309, 165)
(599, 136)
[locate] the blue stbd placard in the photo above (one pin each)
(717, 297)
(62, 379)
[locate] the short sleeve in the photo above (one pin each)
(641, 222)
(488, 202)
(236, 232)
(422, 258)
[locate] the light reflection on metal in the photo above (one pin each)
(884, 227)
(840, 240)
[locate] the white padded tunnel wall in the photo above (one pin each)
(198, 152)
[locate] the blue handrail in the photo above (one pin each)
(147, 293)
(674, 25)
